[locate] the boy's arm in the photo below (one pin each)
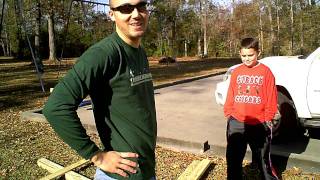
(271, 97)
(228, 106)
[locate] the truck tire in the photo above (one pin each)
(286, 122)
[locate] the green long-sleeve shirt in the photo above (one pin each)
(118, 80)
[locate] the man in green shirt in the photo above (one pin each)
(115, 73)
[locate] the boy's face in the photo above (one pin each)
(249, 57)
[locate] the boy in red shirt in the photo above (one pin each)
(250, 107)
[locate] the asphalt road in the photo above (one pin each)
(188, 112)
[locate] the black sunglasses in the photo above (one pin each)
(128, 8)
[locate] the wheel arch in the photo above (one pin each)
(290, 120)
(299, 101)
(284, 91)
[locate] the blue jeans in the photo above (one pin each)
(100, 175)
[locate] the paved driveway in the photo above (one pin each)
(189, 112)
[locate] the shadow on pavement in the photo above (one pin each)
(284, 147)
(287, 146)
(314, 133)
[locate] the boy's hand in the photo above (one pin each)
(269, 124)
(116, 162)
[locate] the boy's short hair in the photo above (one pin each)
(250, 42)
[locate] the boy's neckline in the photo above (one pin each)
(258, 63)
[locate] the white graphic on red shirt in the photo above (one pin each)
(248, 90)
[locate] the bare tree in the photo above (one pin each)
(261, 39)
(278, 27)
(204, 27)
(38, 59)
(201, 30)
(52, 47)
(232, 27)
(37, 29)
(292, 28)
(271, 42)
(302, 8)
(18, 14)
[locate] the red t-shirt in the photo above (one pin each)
(252, 94)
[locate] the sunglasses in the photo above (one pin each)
(128, 8)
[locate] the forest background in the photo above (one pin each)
(65, 28)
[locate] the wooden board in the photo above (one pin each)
(195, 170)
(50, 166)
(187, 173)
(201, 168)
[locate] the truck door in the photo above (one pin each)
(313, 87)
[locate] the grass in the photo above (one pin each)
(22, 143)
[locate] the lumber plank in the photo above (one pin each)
(201, 168)
(195, 170)
(65, 170)
(53, 167)
(187, 173)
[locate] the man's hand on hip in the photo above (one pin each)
(115, 162)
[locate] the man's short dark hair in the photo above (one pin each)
(248, 43)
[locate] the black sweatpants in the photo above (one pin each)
(258, 137)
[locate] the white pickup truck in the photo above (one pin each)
(298, 84)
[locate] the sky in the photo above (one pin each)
(102, 8)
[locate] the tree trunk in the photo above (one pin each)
(52, 48)
(292, 21)
(232, 30)
(185, 48)
(37, 39)
(173, 52)
(302, 8)
(301, 36)
(37, 31)
(278, 29)
(175, 7)
(161, 44)
(205, 44)
(261, 29)
(3, 48)
(199, 46)
(7, 44)
(18, 13)
(271, 27)
(201, 30)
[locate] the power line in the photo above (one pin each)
(93, 2)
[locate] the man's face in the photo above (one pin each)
(131, 18)
(249, 57)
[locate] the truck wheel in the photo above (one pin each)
(286, 122)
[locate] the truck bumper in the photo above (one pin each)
(313, 123)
